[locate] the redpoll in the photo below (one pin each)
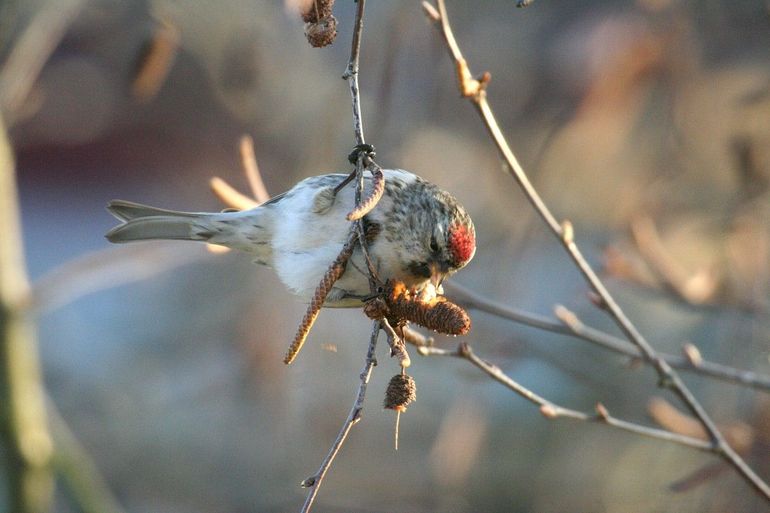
(417, 233)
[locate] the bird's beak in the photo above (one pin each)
(437, 278)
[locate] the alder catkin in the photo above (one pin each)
(401, 392)
(333, 273)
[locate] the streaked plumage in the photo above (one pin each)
(417, 233)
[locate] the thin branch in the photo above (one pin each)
(351, 73)
(30, 453)
(696, 288)
(362, 160)
(560, 325)
(104, 269)
(416, 338)
(363, 157)
(27, 443)
(78, 470)
(30, 53)
(314, 482)
(475, 91)
(231, 196)
(155, 60)
(683, 362)
(397, 345)
(551, 410)
(251, 168)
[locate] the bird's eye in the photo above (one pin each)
(433, 244)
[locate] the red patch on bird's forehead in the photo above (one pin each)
(462, 243)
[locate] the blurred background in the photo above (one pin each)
(646, 123)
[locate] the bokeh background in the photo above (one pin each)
(646, 123)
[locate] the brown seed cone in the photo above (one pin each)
(401, 392)
(321, 33)
(438, 314)
(317, 9)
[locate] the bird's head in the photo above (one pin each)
(439, 238)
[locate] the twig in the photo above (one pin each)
(78, 470)
(551, 410)
(396, 343)
(416, 338)
(666, 415)
(251, 168)
(695, 288)
(362, 160)
(703, 367)
(230, 196)
(27, 443)
(233, 198)
(314, 482)
(351, 73)
(475, 91)
(470, 299)
(31, 52)
(155, 60)
(374, 280)
(103, 269)
(30, 455)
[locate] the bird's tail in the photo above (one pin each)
(141, 222)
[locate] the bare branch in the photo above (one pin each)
(416, 338)
(314, 482)
(251, 168)
(104, 269)
(696, 288)
(363, 158)
(396, 343)
(78, 470)
(668, 377)
(31, 52)
(26, 440)
(155, 60)
(552, 410)
(230, 196)
(472, 300)
(351, 73)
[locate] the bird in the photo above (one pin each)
(417, 233)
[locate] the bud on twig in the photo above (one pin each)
(601, 412)
(692, 353)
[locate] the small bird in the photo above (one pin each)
(417, 233)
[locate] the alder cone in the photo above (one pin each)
(317, 9)
(321, 33)
(399, 305)
(401, 392)
(442, 316)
